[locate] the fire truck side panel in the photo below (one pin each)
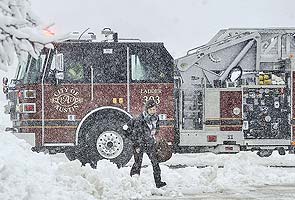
(65, 100)
(72, 103)
(257, 63)
(212, 109)
(36, 133)
(59, 135)
(162, 93)
(231, 110)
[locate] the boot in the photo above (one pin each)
(158, 181)
(160, 184)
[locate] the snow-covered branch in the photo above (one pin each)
(20, 32)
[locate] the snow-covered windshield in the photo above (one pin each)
(30, 71)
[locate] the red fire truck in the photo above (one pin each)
(234, 93)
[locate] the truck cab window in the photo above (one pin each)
(75, 72)
(22, 68)
(33, 70)
(109, 63)
(151, 64)
(138, 72)
(75, 66)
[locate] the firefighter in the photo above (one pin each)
(142, 131)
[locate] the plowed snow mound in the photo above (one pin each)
(25, 175)
(30, 176)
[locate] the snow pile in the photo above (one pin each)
(29, 176)
(240, 174)
(242, 171)
(4, 119)
(211, 159)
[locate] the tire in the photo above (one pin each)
(264, 153)
(71, 154)
(281, 151)
(102, 137)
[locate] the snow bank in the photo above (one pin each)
(211, 159)
(30, 176)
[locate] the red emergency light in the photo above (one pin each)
(212, 138)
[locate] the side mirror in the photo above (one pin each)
(59, 62)
(57, 68)
(5, 85)
(5, 81)
(59, 75)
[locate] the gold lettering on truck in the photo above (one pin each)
(66, 100)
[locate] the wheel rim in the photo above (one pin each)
(109, 144)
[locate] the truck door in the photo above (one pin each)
(65, 93)
(151, 77)
(109, 74)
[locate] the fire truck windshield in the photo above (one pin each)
(30, 71)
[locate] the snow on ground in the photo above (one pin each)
(31, 176)
(25, 175)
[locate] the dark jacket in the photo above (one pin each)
(140, 130)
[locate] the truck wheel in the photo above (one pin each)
(281, 151)
(70, 154)
(104, 138)
(264, 152)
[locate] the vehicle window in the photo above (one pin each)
(109, 63)
(151, 64)
(33, 70)
(22, 68)
(75, 72)
(138, 72)
(76, 67)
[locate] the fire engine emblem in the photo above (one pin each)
(66, 100)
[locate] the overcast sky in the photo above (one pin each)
(180, 24)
